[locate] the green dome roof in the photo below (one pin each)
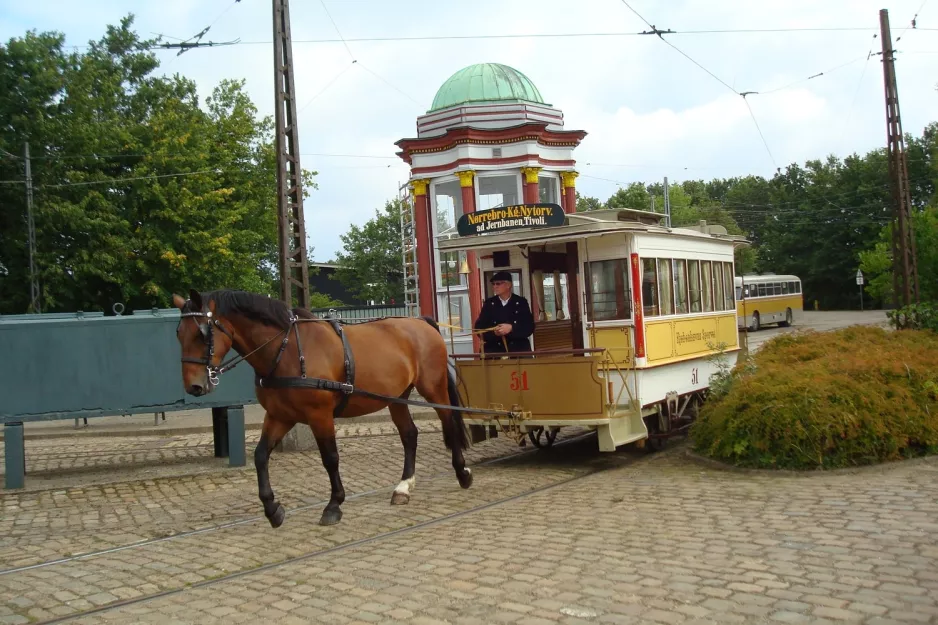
(485, 82)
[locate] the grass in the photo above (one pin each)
(851, 397)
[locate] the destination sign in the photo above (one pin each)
(509, 218)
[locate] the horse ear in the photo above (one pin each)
(178, 302)
(196, 298)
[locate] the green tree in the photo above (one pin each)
(586, 203)
(370, 261)
(876, 263)
(140, 191)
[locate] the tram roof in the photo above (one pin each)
(587, 225)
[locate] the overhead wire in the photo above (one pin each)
(660, 33)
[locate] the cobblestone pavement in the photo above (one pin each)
(80, 454)
(47, 524)
(647, 539)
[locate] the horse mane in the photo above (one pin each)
(261, 308)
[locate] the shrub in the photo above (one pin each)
(922, 316)
(850, 397)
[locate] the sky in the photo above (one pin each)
(650, 111)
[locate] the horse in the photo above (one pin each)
(300, 363)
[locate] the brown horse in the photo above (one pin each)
(303, 366)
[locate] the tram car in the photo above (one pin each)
(631, 319)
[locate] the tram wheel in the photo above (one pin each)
(549, 436)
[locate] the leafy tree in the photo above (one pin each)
(140, 190)
(876, 263)
(370, 261)
(586, 203)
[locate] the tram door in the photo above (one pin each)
(555, 299)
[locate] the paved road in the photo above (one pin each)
(154, 530)
(820, 321)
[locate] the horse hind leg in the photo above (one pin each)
(323, 426)
(408, 432)
(272, 433)
(455, 436)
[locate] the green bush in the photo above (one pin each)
(922, 316)
(810, 400)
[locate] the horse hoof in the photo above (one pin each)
(399, 499)
(276, 519)
(331, 517)
(465, 478)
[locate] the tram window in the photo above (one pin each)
(649, 287)
(728, 304)
(760, 290)
(739, 293)
(785, 287)
(797, 287)
(705, 273)
(609, 295)
(665, 287)
(718, 302)
(680, 286)
(693, 282)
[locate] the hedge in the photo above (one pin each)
(812, 400)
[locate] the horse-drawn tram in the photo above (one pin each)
(630, 318)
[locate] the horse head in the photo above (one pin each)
(203, 349)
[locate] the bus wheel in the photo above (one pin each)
(755, 322)
(788, 319)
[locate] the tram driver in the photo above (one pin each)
(510, 316)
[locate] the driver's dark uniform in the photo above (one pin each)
(515, 311)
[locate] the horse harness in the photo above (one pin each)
(269, 381)
(347, 388)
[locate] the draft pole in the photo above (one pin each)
(294, 263)
(905, 271)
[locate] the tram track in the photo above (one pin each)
(245, 521)
(587, 472)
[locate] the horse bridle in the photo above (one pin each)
(208, 337)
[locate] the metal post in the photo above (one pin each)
(15, 452)
(294, 264)
(905, 271)
(667, 204)
(35, 305)
(220, 431)
(236, 436)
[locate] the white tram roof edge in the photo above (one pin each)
(587, 225)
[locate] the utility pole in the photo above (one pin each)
(905, 271)
(294, 264)
(667, 203)
(35, 305)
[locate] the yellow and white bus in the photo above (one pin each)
(768, 298)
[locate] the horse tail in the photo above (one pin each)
(462, 431)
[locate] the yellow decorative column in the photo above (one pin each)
(531, 195)
(467, 187)
(568, 191)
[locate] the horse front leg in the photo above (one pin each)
(272, 433)
(323, 427)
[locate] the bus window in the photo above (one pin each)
(649, 288)
(693, 270)
(705, 273)
(680, 286)
(665, 294)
